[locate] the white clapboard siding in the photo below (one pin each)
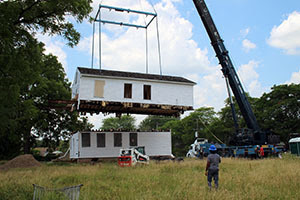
(164, 92)
(155, 143)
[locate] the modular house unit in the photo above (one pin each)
(98, 144)
(125, 92)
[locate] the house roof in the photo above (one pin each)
(294, 140)
(133, 75)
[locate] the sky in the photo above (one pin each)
(262, 37)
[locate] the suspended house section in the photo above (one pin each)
(107, 91)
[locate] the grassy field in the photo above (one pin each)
(271, 178)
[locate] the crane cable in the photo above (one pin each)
(158, 40)
(211, 132)
(146, 35)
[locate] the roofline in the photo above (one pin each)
(140, 79)
(185, 81)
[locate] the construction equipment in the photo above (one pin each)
(201, 149)
(129, 157)
(252, 135)
(196, 149)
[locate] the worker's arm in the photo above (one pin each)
(207, 165)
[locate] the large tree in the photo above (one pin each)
(279, 110)
(125, 122)
(24, 64)
(154, 122)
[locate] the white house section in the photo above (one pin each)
(93, 144)
(126, 92)
(114, 89)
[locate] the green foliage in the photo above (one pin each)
(125, 122)
(154, 122)
(48, 16)
(28, 77)
(279, 110)
(183, 131)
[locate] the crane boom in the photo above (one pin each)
(230, 73)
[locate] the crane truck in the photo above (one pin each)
(246, 139)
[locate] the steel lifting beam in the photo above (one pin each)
(128, 11)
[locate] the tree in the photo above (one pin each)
(224, 126)
(280, 110)
(47, 16)
(183, 131)
(154, 122)
(125, 122)
(23, 62)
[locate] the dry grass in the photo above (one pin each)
(239, 179)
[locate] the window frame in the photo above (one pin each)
(128, 90)
(83, 144)
(147, 92)
(103, 143)
(116, 142)
(133, 139)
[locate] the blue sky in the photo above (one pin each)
(262, 36)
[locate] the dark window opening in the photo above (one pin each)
(101, 140)
(133, 139)
(117, 139)
(127, 90)
(147, 92)
(86, 139)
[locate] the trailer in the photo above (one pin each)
(89, 145)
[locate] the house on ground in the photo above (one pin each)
(100, 144)
(118, 92)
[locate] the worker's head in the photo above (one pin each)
(212, 149)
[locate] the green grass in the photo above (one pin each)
(270, 178)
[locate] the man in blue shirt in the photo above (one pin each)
(212, 166)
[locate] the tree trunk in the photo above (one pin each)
(26, 142)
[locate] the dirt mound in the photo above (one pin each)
(22, 161)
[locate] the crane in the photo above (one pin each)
(252, 135)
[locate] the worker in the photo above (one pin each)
(261, 152)
(212, 166)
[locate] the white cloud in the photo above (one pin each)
(180, 54)
(55, 47)
(249, 78)
(295, 78)
(286, 35)
(245, 32)
(248, 45)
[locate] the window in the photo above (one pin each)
(117, 139)
(133, 139)
(127, 90)
(86, 139)
(147, 92)
(99, 88)
(101, 140)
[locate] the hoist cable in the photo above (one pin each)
(146, 36)
(158, 40)
(92, 64)
(211, 132)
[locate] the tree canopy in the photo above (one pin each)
(29, 78)
(125, 122)
(279, 110)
